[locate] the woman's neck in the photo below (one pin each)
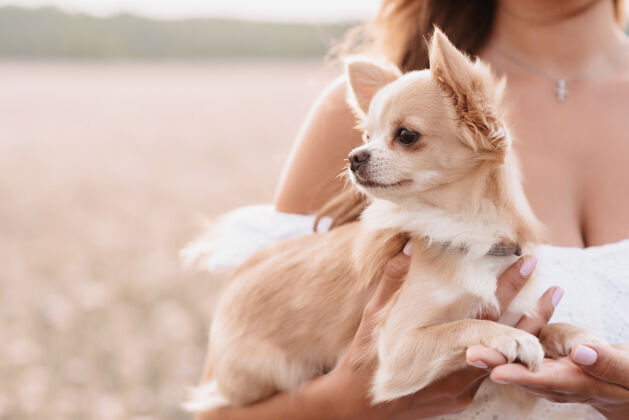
(567, 38)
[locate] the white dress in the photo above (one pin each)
(595, 281)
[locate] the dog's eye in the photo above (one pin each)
(406, 137)
(365, 137)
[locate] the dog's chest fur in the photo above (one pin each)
(444, 286)
(451, 275)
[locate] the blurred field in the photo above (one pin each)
(106, 170)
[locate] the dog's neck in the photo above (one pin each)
(484, 210)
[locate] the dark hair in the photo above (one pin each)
(401, 28)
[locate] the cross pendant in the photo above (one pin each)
(561, 90)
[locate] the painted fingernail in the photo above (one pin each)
(584, 355)
(527, 266)
(557, 295)
(479, 364)
(408, 248)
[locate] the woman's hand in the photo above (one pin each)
(593, 374)
(348, 383)
(343, 393)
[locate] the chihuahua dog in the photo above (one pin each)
(438, 168)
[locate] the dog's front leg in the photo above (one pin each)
(408, 364)
(559, 338)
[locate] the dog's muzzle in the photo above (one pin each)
(358, 159)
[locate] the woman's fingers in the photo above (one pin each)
(545, 308)
(484, 357)
(604, 362)
(558, 376)
(509, 285)
(549, 373)
(511, 282)
(392, 279)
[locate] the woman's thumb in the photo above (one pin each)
(603, 362)
(392, 277)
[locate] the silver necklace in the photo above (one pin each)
(561, 89)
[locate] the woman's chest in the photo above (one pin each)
(575, 163)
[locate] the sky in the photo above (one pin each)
(276, 10)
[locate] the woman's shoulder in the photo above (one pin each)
(310, 177)
(336, 90)
(331, 108)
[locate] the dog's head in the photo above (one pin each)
(427, 128)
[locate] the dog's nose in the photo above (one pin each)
(358, 158)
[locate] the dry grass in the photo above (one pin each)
(106, 170)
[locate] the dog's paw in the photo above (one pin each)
(559, 338)
(517, 345)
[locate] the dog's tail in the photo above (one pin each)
(204, 397)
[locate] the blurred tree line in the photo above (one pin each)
(49, 32)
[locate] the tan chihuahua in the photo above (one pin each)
(438, 167)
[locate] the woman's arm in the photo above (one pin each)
(313, 401)
(310, 177)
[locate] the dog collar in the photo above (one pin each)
(500, 249)
(503, 250)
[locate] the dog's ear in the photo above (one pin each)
(475, 93)
(365, 77)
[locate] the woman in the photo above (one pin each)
(568, 89)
